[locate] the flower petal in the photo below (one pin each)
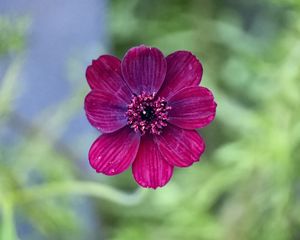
(105, 74)
(105, 111)
(113, 153)
(192, 107)
(149, 168)
(180, 147)
(144, 69)
(184, 70)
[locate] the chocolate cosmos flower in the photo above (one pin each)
(147, 107)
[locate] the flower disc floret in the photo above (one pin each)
(147, 113)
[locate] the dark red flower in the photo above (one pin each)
(147, 107)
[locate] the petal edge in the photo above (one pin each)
(144, 69)
(113, 153)
(105, 111)
(149, 169)
(180, 147)
(105, 74)
(192, 107)
(184, 70)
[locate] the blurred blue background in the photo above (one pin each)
(247, 185)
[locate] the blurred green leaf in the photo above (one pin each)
(8, 228)
(12, 33)
(10, 88)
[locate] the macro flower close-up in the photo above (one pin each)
(130, 120)
(147, 108)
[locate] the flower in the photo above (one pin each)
(147, 108)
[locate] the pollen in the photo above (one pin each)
(147, 113)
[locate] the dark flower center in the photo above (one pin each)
(147, 113)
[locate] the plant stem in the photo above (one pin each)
(92, 189)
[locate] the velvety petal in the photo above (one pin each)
(144, 69)
(105, 74)
(180, 147)
(105, 111)
(184, 70)
(113, 153)
(192, 107)
(149, 168)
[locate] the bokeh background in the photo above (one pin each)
(247, 185)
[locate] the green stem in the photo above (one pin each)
(76, 187)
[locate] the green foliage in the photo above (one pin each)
(12, 34)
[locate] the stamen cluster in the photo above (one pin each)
(147, 113)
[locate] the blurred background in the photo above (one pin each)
(247, 185)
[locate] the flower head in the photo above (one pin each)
(147, 108)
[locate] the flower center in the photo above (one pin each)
(147, 113)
